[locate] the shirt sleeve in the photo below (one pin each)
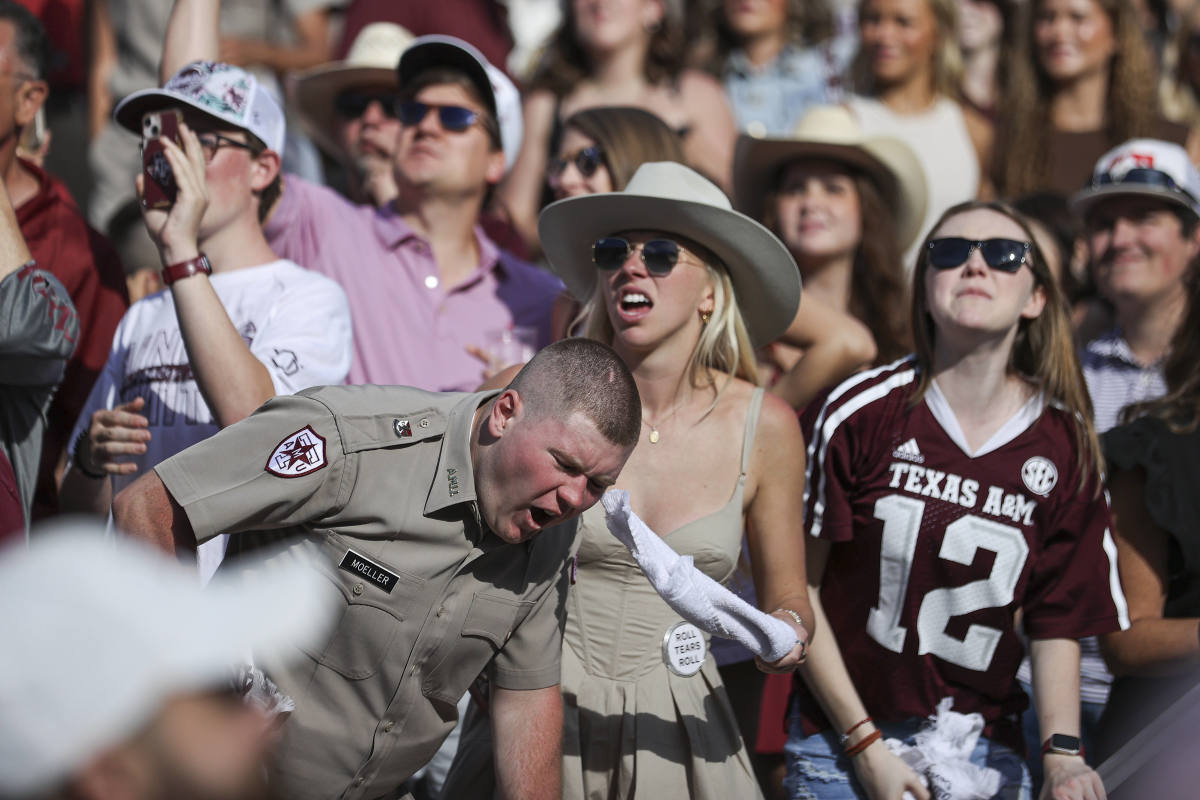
(1075, 590)
(307, 341)
(282, 466)
(38, 328)
(532, 657)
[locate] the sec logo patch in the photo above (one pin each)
(1040, 475)
(299, 454)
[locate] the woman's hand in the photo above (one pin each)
(884, 776)
(796, 655)
(1070, 778)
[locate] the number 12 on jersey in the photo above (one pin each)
(901, 517)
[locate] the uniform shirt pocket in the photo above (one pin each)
(488, 625)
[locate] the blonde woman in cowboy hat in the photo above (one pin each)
(685, 289)
(821, 191)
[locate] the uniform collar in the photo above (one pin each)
(454, 480)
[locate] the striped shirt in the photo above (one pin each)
(1115, 378)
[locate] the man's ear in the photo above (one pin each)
(507, 409)
(264, 168)
(30, 97)
(495, 168)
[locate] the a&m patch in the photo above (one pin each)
(299, 454)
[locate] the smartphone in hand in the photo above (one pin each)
(158, 185)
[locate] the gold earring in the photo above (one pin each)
(705, 316)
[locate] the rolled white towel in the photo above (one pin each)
(692, 594)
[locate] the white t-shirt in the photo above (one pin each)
(296, 322)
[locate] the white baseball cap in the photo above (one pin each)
(219, 90)
(1149, 167)
(99, 631)
(499, 93)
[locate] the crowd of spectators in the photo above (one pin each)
(370, 192)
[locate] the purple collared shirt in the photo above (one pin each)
(408, 329)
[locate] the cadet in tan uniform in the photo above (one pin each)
(424, 507)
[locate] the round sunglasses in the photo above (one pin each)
(352, 104)
(587, 161)
(1006, 255)
(659, 255)
(453, 118)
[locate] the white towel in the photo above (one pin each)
(692, 594)
(941, 755)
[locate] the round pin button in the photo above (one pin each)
(684, 649)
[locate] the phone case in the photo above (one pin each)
(158, 188)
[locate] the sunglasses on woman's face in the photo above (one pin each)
(1006, 255)
(352, 104)
(455, 119)
(587, 161)
(659, 255)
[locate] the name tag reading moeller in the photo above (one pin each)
(369, 571)
(684, 649)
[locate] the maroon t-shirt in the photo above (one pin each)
(935, 550)
(12, 519)
(85, 262)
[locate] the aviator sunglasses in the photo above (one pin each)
(587, 161)
(659, 255)
(1006, 255)
(453, 118)
(353, 104)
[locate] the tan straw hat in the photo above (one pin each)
(371, 61)
(668, 197)
(832, 132)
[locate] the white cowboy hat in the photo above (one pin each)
(832, 132)
(668, 197)
(371, 61)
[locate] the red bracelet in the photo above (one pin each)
(853, 728)
(868, 740)
(185, 269)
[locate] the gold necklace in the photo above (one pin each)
(654, 428)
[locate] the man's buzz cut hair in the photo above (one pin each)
(586, 376)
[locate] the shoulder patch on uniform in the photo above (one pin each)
(299, 454)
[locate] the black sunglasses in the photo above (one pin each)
(453, 118)
(587, 161)
(659, 255)
(352, 104)
(1006, 255)
(1142, 176)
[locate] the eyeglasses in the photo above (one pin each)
(210, 143)
(352, 104)
(659, 255)
(1006, 255)
(453, 118)
(1143, 177)
(587, 161)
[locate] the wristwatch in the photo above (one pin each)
(186, 269)
(1063, 745)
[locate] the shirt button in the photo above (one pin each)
(358, 589)
(387, 726)
(431, 282)
(424, 423)
(360, 780)
(441, 611)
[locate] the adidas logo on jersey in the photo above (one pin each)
(909, 452)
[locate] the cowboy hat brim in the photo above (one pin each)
(764, 275)
(317, 89)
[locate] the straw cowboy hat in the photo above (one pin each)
(832, 132)
(670, 198)
(371, 61)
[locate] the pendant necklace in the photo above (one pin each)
(654, 428)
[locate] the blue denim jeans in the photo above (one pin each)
(818, 769)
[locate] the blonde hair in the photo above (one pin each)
(947, 57)
(1043, 352)
(724, 345)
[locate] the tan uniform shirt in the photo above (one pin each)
(379, 480)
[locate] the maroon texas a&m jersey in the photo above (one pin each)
(935, 550)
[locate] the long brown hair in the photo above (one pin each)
(947, 57)
(565, 63)
(1043, 352)
(1130, 107)
(878, 284)
(808, 23)
(1180, 406)
(628, 137)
